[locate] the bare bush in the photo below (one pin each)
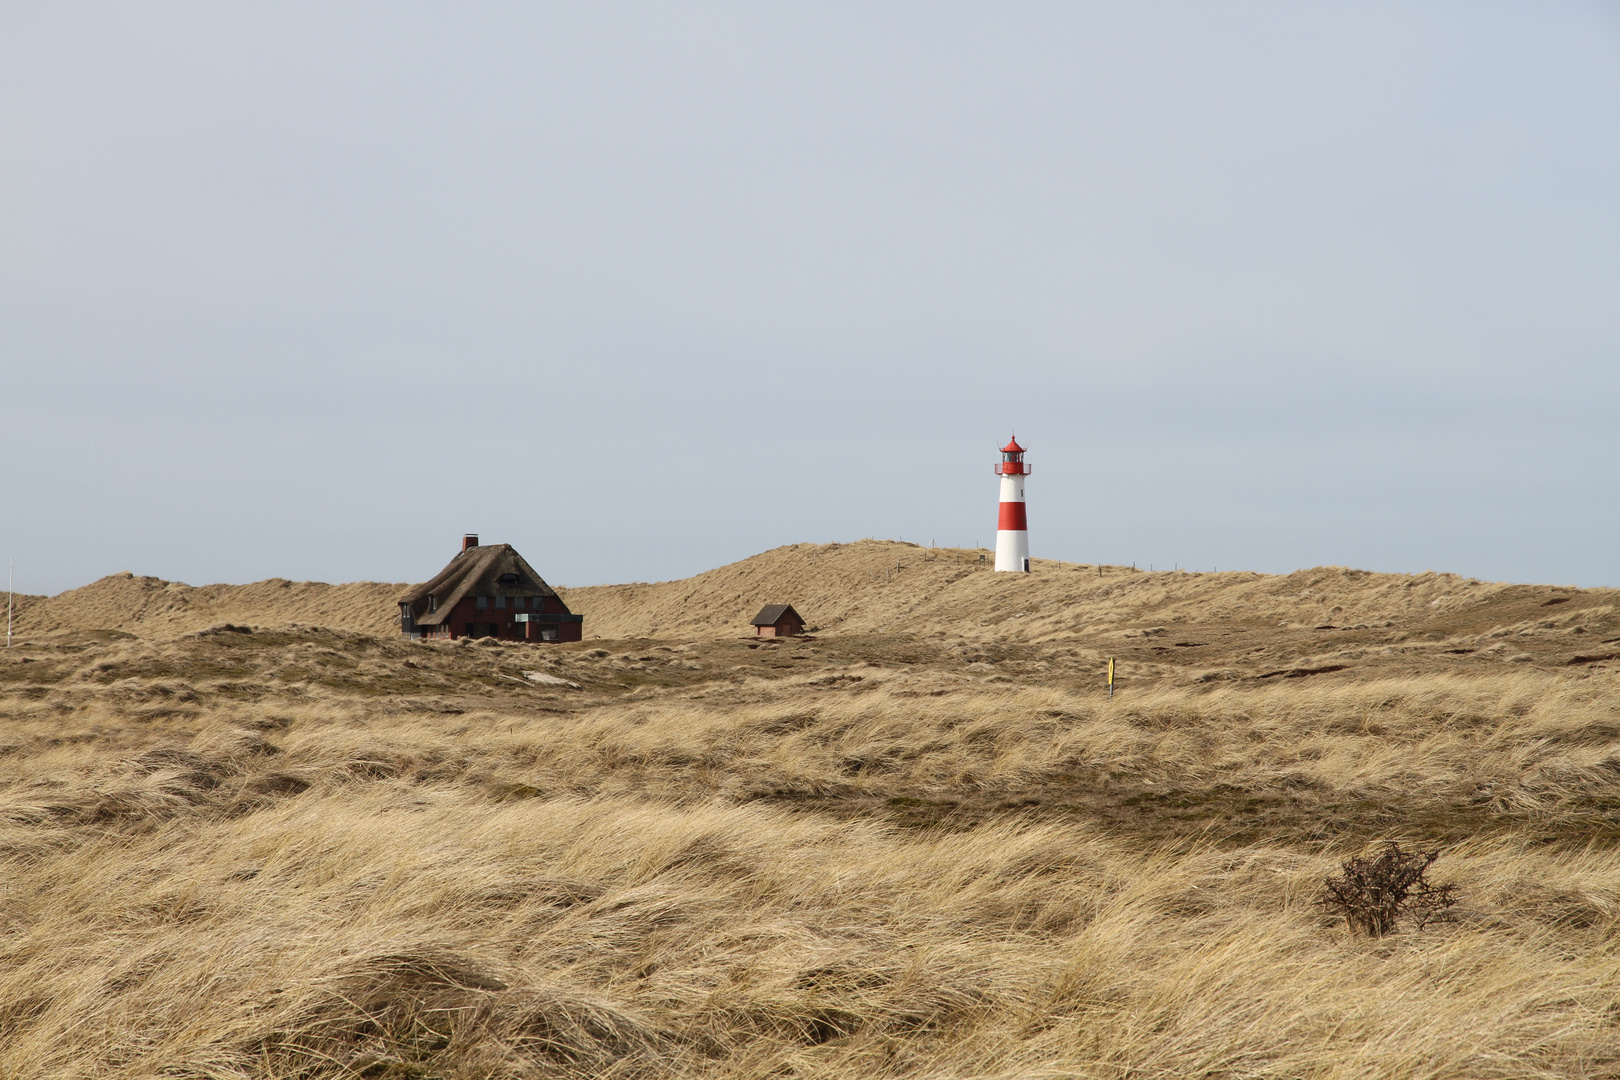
(1376, 890)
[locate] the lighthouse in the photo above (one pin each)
(1012, 530)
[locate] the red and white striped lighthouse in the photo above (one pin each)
(1012, 529)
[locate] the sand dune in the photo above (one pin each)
(885, 586)
(1322, 615)
(150, 607)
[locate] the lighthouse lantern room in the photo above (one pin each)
(1012, 529)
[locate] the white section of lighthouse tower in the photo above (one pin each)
(1012, 527)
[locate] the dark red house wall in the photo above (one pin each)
(468, 612)
(568, 631)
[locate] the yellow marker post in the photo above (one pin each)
(1110, 676)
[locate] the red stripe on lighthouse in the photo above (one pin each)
(1012, 517)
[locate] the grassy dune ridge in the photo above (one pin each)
(911, 846)
(886, 586)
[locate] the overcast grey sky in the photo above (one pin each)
(307, 289)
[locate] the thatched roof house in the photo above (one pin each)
(488, 591)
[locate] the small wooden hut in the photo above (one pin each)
(778, 620)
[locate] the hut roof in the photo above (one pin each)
(771, 614)
(486, 570)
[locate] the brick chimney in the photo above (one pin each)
(469, 541)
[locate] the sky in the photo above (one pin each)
(307, 290)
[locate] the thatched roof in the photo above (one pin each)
(771, 614)
(478, 571)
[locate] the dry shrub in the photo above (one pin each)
(1374, 891)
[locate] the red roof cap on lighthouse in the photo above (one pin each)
(1012, 447)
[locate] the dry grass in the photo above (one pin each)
(154, 608)
(320, 853)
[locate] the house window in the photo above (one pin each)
(483, 602)
(433, 603)
(500, 601)
(517, 602)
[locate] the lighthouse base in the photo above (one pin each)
(1012, 550)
